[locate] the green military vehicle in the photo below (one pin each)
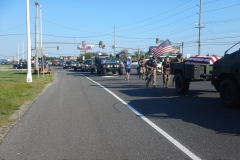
(224, 75)
(226, 78)
(103, 64)
(186, 73)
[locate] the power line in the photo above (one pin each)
(221, 8)
(160, 20)
(157, 14)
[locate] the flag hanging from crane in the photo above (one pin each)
(163, 48)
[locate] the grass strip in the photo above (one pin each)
(15, 91)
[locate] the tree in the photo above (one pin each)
(124, 53)
(87, 55)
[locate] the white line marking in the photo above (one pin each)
(162, 132)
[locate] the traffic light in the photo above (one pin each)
(100, 44)
(157, 40)
(83, 44)
(103, 46)
(57, 47)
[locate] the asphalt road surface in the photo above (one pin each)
(85, 116)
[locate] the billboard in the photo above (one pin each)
(170, 54)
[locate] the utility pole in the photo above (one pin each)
(182, 47)
(23, 51)
(114, 40)
(18, 53)
(43, 58)
(29, 73)
(74, 47)
(36, 37)
(200, 26)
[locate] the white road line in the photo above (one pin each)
(162, 132)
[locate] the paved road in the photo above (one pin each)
(85, 116)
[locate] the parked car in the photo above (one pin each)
(22, 65)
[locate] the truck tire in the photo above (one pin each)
(92, 70)
(120, 71)
(217, 86)
(99, 73)
(104, 72)
(229, 93)
(181, 84)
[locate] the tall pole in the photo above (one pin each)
(114, 40)
(18, 53)
(74, 47)
(182, 47)
(23, 50)
(29, 73)
(40, 25)
(199, 27)
(43, 58)
(36, 37)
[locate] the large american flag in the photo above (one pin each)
(162, 48)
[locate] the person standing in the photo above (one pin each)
(142, 68)
(179, 59)
(127, 64)
(151, 66)
(166, 72)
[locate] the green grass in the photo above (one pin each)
(15, 91)
(6, 66)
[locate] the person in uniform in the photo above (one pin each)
(151, 66)
(166, 72)
(179, 59)
(142, 68)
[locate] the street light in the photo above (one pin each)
(29, 73)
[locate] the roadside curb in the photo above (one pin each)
(16, 116)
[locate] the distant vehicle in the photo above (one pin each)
(103, 65)
(134, 64)
(77, 66)
(55, 63)
(86, 65)
(68, 64)
(22, 65)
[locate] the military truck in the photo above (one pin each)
(226, 78)
(103, 64)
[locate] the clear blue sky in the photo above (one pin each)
(138, 23)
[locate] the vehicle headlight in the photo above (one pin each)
(86, 65)
(108, 66)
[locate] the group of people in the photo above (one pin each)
(150, 67)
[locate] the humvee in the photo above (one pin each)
(103, 64)
(226, 78)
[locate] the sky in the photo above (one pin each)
(137, 25)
